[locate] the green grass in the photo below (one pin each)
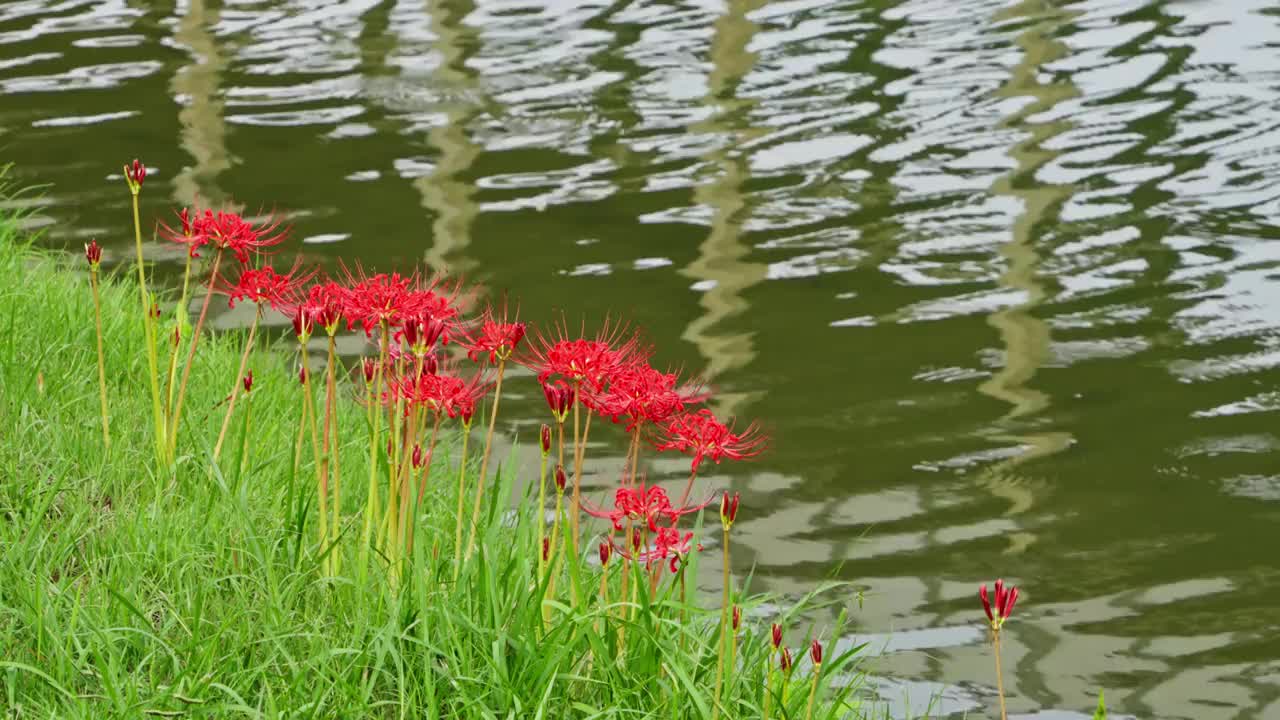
(126, 593)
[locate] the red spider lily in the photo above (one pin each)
(135, 174)
(606, 549)
(185, 234)
(581, 361)
(497, 339)
(321, 304)
(376, 299)
(444, 393)
(641, 504)
(559, 398)
(640, 394)
(776, 631)
(248, 382)
(670, 545)
(265, 286)
(93, 253)
(815, 652)
(544, 438)
(1005, 599)
(728, 510)
(368, 366)
(303, 324)
(422, 332)
(737, 617)
(229, 231)
(702, 436)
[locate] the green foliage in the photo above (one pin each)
(1101, 712)
(126, 592)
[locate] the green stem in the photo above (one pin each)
(724, 624)
(484, 462)
(422, 480)
(542, 514)
(999, 675)
(375, 420)
(102, 363)
(173, 353)
(191, 354)
(150, 331)
(813, 691)
(330, 448)
(322, 489)
(457, 532)
(235, 386)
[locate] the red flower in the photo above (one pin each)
(670, 545)
(185, 234)
(229, 231)
(422, 332)
(248, 381)
(265, 285)
(373, 300)
(641, 505)
(321, 304)
(1005, 599)
(728, 510)
(702, 436)
(446, 394)
(93, 253)
(641, 394)
(579, 361)
(497, 339)
(559, 398)
(134, 174)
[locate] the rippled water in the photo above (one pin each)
(1002, 278)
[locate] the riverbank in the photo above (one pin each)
(130, 591)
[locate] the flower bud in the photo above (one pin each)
(815, 652)
(134, 174)
(777, 636)
(986, 602)
(545, 437)
(155, 310)
(605, 551)
(93, 253)
(368, 366)
(785, 660)
(248, 382)
(561, 480)
(177, 336)
(1008, 605)
(303, 324)
(302, 374)
(430, 364)
(637, 539)
(737, 617)
(546, 549)
(728, 510)
(185, 218)
(417, 457)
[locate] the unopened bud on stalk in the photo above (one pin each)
(155, 310)
(368, 366)
(785, 660)
(637, 539)
(737, 617)
(605, 551)
(561, 480)
(248, 382)
(777, 636)
(728, 509)
(93, 253)
(134, 174)
(545, 437)
(302, 374)
(546, 549)
(177, 336)
(303, 324)
(815, 652)
(417, 457)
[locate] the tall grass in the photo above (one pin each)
(128, 592)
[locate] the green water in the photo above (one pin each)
(1001, 279)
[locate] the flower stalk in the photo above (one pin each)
(93, 253)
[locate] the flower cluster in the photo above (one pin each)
(1005, 599)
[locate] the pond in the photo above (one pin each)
(1001, 279)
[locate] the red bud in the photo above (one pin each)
(136, 173)
(93, 253)
(728, 509)
(545, 437)
(1000, 598)
(777, 636)
(1008, 605)
(785, 661)
(368, 366)
(737, 617)
(417, 457)
(302, 374)
(561, 480)
(155, 310)
(637, 539)
(986, 601)
(815, 652)
(248, 381)
(546, 548)
(605, 550)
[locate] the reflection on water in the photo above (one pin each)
(1001, 275)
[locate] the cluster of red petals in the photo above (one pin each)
(449, 394)
(700, 435)
(265, 286)
(1005, 599)
(496, 340)
(399, 302)
(225, 231)
(93, 253)
(136, 173)
(643, 506)
(581, 362)
(559, 398)
(670, 545)
(637, 393)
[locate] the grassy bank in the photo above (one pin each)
(126, 591)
